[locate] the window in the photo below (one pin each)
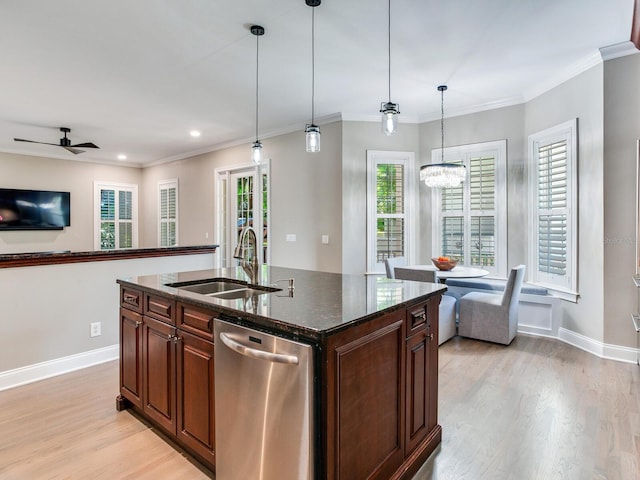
(470, 221)
(168, 213)
(553, 208)
(389, 210)
(116, 216)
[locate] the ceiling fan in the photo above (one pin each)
(64, 143)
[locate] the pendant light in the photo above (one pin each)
(312, 131)
(443, 175)
(256, 148)
(389, 109)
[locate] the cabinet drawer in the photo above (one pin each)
(131, 299)
(416, 319)
(196, 320)
(160, 307)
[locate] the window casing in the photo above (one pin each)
(168, 213)
(390, 207)
(116, 216)
(553, 215)
(469, 222)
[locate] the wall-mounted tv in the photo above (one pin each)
(34, 209)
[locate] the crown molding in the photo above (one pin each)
(618, 50)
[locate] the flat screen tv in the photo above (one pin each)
(34, 209)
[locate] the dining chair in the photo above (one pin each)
(491, 317)
(390, 263)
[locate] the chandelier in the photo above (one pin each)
(442, 175)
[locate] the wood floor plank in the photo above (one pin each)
(537, 409)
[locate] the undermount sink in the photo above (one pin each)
(227, 289)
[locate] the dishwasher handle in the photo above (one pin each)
(255, 353)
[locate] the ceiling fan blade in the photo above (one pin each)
(75, 151)
(33, 141)
(86, 145)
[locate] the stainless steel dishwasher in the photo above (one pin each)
(263, 406)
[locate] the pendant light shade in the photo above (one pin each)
(443, 175)
(389, 110)
(312, 131)
(256, 148)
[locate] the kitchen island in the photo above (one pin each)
(375, 349)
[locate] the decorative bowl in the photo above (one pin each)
(444, 265)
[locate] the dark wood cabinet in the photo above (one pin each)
(377, 383)
(166, 372)
(421, 374)
(131, 356)
(159, 373)
(195, 395)
(365, 400)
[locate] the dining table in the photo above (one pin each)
(443, 275)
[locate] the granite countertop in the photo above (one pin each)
(320, 304)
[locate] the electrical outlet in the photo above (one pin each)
(96, 329)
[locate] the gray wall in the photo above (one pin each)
(27, 172)
(306, 198)
(492, 125)
(358, 137)
(621, 133)
(582, 98)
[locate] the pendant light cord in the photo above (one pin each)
(257, 69)
(389, 47)
(313, 62)
(442, 89)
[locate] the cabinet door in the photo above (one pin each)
(159, 366)
(131, 356)
(196, 395)
(422, 377)
(365, 400)
(417, 395)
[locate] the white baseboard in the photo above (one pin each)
(51, 368)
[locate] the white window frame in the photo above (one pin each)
(497, 149)
(407, 159)
(98, 186)
(563, 286)
(168, 185)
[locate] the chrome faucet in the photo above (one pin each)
(240, 252)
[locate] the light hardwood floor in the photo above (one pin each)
(538, 409)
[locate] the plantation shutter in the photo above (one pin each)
(552, 208)
(168, 210)
(117, 214)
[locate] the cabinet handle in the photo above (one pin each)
(130, 298)
(138, 323)
(430, 336)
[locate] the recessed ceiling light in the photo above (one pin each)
(195, 133)
(122, 156)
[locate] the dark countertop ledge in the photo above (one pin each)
(60, 257)
(322, 303)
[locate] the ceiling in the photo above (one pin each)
(135, 77)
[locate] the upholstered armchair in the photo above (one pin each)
(491, 317)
